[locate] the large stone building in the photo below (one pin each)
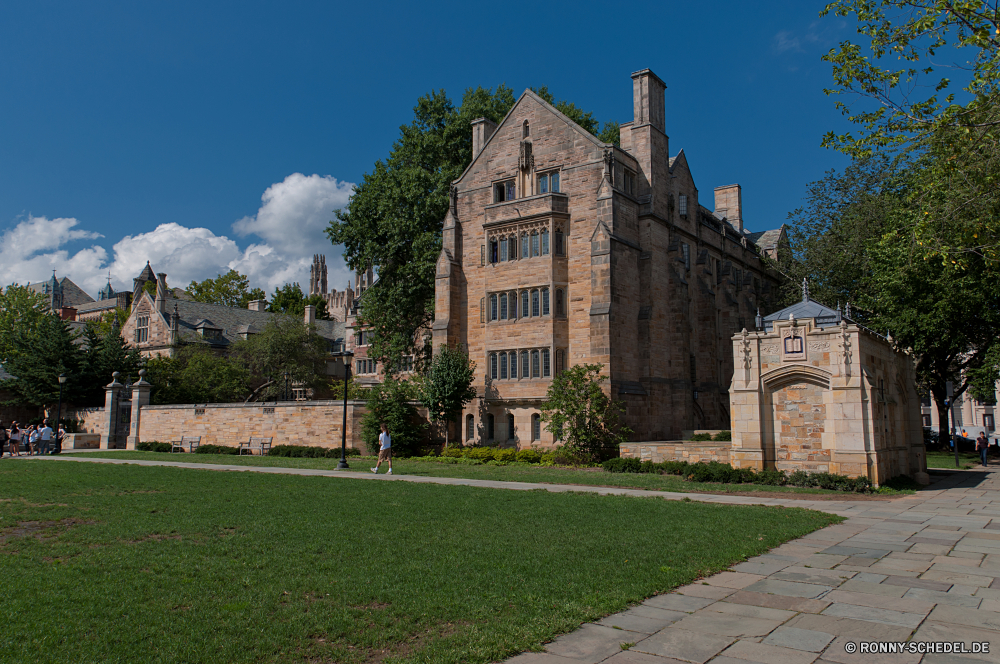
(814, 391)
(559, 249)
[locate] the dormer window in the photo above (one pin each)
(504, 191)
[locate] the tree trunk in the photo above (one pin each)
(944, 431)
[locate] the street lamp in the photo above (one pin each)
(346, 356)
(287, 390)
(62, 381)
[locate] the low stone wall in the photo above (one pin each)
(82, 441)
(317, 423)
(91, 420)
(679, 450)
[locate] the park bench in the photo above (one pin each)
(190, 442)
(262, 445)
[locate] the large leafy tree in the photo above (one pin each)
(105, 352)
(196, 374)
(231, 289)
(448, 385)
(285, 345)
(390, 403)
(289, 299)
(39, 355)
(926, 74)
(21, 312)
(394, 219)
(579, 413)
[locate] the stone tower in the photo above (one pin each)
(317, 275)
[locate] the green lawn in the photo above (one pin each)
(540, 474)
(965, 459)
(106, 563)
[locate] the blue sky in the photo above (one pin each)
(135, 131)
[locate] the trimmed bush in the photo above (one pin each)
(310, 452)
(529, 456)
(701, 436)
(216, 449)
(153, 446)
(723, 436)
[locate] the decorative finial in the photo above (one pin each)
(847, 313)
(805, 290)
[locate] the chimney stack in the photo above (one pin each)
(310, 317)
(482, 130)
(648, 104)
(257, 305)
(161, 292)
(729, 204)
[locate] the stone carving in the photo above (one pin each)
(846, 342)
(609, 166)
(747, 356)
(820, 345)
(527, 159)
(769, 350)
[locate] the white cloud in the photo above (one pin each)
(290, 221)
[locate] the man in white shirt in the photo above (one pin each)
(384, 451)
(45, 437)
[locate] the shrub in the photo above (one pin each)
(529, 456)
(505, 456)
(216, 449)
(310, 452)
(453, 452)
(480, 453)
(390, 403)
(723, 436)
(548, 459)
(701, 436)
(153, 446)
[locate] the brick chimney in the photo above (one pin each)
(310, 316)
(729, 204)
(257, 305)
(482, 129)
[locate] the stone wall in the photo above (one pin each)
(315, 423)
(689, 451)
(90, 419)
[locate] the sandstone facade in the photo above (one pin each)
(559, 249)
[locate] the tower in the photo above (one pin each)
(317, 275)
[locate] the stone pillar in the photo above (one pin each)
(140, 398)
(110, 412)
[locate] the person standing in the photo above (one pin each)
(45, 437)
(32, 439)
(15, 440)
(384, 450)
(982, 446)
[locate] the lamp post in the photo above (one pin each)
(287, 395)
(346, 355)
(62, 381)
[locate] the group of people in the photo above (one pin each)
(38, 439)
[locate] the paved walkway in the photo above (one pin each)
(923, 568)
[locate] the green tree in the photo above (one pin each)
(285, 345)
(107, 319)
(902, 68)
(231, 289)
(290, 300)
(448, 386)
(196, 374)
(39, 356)
(390, 403)
(394, 219)
(580, 414)
(105, 353)
(21, 312)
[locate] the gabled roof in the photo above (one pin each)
(147, 273)
(766, 239)
(73, 295)
(822, 315)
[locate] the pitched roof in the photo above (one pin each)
(767, 239)
(823, 315)
(234, 321)
(73, 295)
(147, 273)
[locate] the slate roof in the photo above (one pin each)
(766, 239)
(100, 305)
(234, 321)
(73, 295)
(807, 308)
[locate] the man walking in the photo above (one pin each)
(45, 437)
(982, 446)
(384, 451)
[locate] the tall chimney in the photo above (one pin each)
(310, 317)
(647, 100)
(482, 129)
(729, 204)
(161, 292)
(257, 305)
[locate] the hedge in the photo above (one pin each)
(713, 471)
(153, 446)
(310, 452)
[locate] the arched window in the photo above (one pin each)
(524, 304)
(560, 303)
(513, 364)
(559, 361)
(503, 366)
(503, 249)
(489, 426)
(534, 303)
(524, 364)
(560, 248)
(536, 427)
(545, 242)
(545, 301)
(525, 247)
(493, 251)
(525, 131)
(493, 366)
(482, 310)
(534, 243)
(535, 364)
(493, 307)
(503, 306)
(512, 248)
(512, 298)
(470, 427)
(546, 366)
(510, 426)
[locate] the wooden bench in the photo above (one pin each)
(191, 443)
(262, 445)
